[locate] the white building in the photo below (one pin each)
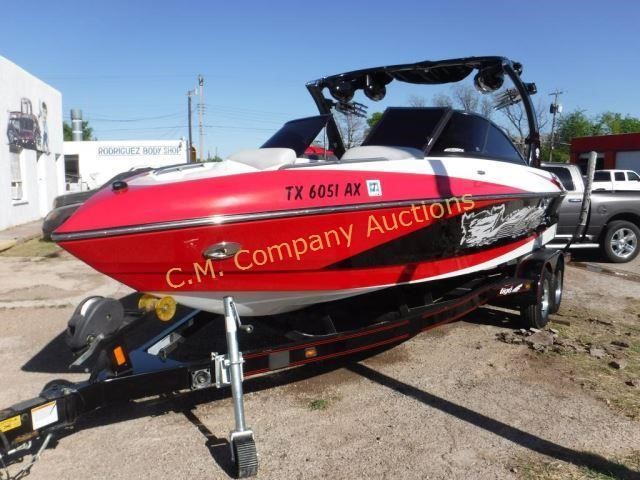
(31, 163)
(89, 165)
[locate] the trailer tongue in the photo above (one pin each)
(135, 354)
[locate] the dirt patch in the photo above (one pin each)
(37, 292)
(33, 248)
(398, 354)
(450, 403)
(596, 349)
(623, 467)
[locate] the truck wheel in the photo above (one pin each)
(537, 314)
(621, 241)
(557, 287)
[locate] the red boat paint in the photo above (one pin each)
(166, 261)
(272, 191)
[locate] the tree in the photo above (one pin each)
(610, 123)
(578, 124)
(464, 97)
(212, 158)
(517, 123)
(87, 132)
(352, 129)
(572, 125)
(417, 101)
(468, 98)
(575, 124)
(373, 119)
(630, 125)
(442, 100)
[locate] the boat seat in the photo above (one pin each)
(369, 152)
(264, 158)
(303, 161)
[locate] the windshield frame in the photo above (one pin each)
(283, 137)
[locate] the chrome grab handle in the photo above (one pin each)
(221, 250)
(575, 200)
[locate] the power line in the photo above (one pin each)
(249, 119)
(248, 110)
(100, 118)
(241, 128)
(76, 76)
(235, 127)
(140, 119)
(228, 110)
(141, 128)
(170, 134)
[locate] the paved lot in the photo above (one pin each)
(451, 403)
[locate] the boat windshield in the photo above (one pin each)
(406, 127)
(450, 133)
(297, 134)
(467, 134)
(437, 131)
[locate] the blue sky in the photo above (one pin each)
(125, 62)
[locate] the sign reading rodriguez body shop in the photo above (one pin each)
(132, 150)
(95, 162)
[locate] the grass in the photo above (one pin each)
(318, 404)
(33, 248)
(531, 469)
(596, 375)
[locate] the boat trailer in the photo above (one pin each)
(132, 353)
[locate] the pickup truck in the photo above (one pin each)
(616, 180)
(614, 217)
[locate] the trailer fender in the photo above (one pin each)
(533, 266)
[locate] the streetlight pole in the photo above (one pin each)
(190, 93)
(201, 114)
(555, 108)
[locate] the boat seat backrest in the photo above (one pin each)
(377, 151)
(263, 158)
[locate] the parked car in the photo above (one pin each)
(614, 217)
(616, 180)
(65, 205)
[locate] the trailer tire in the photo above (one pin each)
(620, 242)
(557, 287)
(536, 315)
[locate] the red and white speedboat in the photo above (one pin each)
(432, 193)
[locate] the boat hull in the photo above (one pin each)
(287, 263)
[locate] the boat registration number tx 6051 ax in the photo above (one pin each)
(323, 190)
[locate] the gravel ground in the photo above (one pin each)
(451, 403)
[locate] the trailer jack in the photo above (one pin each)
(229, 369)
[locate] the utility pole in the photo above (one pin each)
(554, 109)
(201, 114)
(190, 93)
